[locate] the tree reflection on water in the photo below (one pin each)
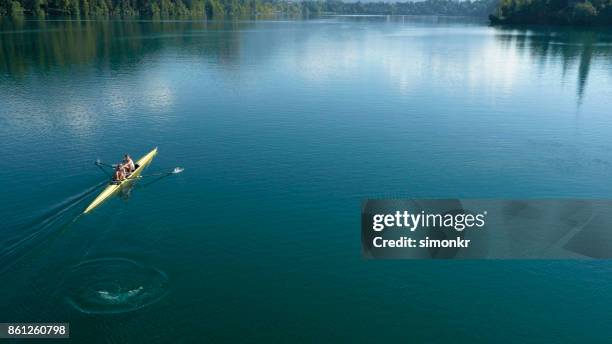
(570, 46)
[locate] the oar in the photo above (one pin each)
(176, 170)
(100, 163)
(105, 171)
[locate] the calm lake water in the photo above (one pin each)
(283, 128)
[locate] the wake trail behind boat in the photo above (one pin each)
(27, 238)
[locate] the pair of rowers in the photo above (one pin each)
(124, 169)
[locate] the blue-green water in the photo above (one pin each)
(283, 128)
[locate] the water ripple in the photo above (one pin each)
(114, 285)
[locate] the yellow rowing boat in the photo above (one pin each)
(114, 187)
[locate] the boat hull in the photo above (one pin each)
(112, 188)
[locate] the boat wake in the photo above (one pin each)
(27, 238)
(114, 285)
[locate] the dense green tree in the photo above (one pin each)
(584, 12)
(15, 9)
(242, 8)
(581, 12)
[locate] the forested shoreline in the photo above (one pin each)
(549, 12)
(131, 8)
(553, 12)
(238, 8)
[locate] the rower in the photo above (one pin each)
(128, 164)
(119, 174)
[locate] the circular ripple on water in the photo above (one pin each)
(114, 285)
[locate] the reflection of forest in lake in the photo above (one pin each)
(571, 48)
(405, 47)
(45, 45)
